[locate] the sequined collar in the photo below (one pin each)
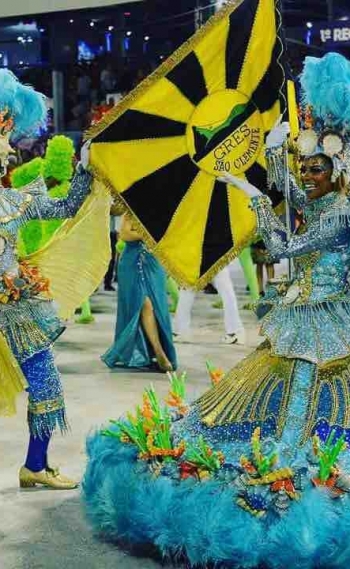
(13, 204)
(315, 208)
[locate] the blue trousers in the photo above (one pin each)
(46, 408)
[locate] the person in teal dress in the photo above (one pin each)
(143, 335)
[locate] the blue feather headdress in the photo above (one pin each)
(325, 86)
(20, 106)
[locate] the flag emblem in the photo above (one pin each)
(225, 133)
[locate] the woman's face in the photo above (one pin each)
(316, 174)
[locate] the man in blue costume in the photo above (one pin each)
(29, 323)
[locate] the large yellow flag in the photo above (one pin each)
(203, 113)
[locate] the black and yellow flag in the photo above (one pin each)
(203, 113)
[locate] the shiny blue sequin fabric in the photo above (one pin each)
(30, 324)
(46, 409)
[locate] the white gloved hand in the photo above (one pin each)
(278, 135)
(250, 190)
(85, 154)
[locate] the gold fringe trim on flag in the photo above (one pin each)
(161, 71)
(280, 55)
(173, 271)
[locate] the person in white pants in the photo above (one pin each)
(233, 324)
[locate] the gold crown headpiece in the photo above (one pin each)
(318, 136)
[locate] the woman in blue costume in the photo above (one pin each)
(260, 461)
(28, 321)
(143, 333)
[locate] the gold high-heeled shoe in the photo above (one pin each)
(50, 477)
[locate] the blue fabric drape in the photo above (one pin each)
(139, 276)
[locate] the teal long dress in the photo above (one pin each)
(139, 276)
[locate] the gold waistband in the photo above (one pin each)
(48, 406)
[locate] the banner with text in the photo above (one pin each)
(332, 33)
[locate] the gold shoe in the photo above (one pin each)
(54, 470)
(50, 477)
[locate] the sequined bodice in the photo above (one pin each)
(324, 273)
(28, 318)
(14, 208)
(17, 207)
(323, 276)
(8, 252)
(315, 208)
(309, 319)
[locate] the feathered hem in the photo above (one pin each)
(128, 504)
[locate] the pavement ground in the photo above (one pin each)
(45, 529)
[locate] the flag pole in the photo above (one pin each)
(288, 209)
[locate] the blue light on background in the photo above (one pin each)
(108, 37)
(88, 52)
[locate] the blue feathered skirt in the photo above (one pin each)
(139, 276)
(257, 475)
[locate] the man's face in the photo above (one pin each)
(5, 150)
(316, 174)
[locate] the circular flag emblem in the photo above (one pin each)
(225, 133)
